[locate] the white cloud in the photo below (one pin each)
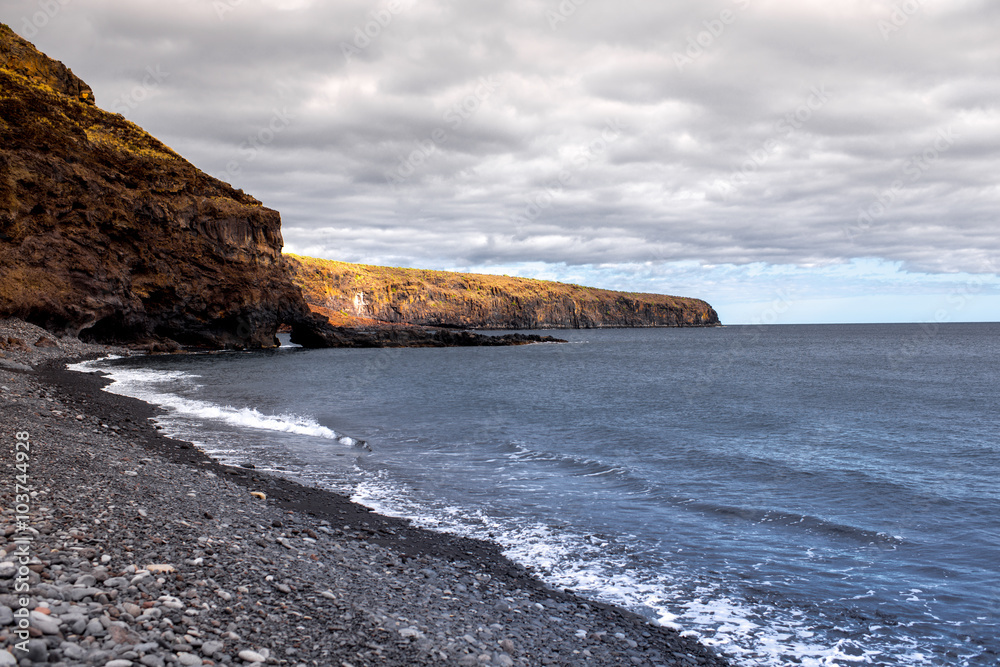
(731, 158)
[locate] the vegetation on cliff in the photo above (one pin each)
(109, 234)
(358, 294)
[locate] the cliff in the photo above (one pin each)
(351, 293)
(108, 234)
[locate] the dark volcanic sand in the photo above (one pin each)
(305, 577)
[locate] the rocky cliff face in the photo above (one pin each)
(441, 298)
(108, 234)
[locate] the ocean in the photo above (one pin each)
(814, 495)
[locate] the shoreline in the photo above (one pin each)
(305, 577)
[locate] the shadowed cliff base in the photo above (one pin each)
(361, 295)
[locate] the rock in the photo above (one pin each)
(6, 615)
(7, 569)
(46, 342)
(505, 660)
(72, 651)
(247, 655)
(118, 663)
(76, 623)
(259, 495)
(85, 580)
(44, 623)
(161, 568)
(210, 648)
(132, 608)
(121, 634)
(6, 659)
(77, 594)
(410, 633)
(38, 651)
(141, 575)
(95, 628)
(152, 660)
(116, 582)
(188, 659)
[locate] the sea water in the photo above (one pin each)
(815, 495)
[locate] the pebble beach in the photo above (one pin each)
(130, 548)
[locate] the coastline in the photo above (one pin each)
(303, 577)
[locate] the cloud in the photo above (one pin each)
(437, 132)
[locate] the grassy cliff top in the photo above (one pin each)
(315, 274)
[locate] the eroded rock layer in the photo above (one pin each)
(107, 233)
(345, 291)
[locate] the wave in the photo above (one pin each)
(637, 485)
(144, 384)
(603, 567)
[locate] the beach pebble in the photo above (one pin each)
(72, 651)
(45, 624)
(247, 655)
(38, 651)
(210, 648)
(6, 659)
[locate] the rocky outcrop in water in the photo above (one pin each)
(108, 234)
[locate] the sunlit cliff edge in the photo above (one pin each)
(350, 293)
(108, 234)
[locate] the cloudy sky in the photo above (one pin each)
(786, 160)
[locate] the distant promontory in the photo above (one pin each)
(356, 293)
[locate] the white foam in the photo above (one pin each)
(91, 366)
(750, 634)
(144, 383)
